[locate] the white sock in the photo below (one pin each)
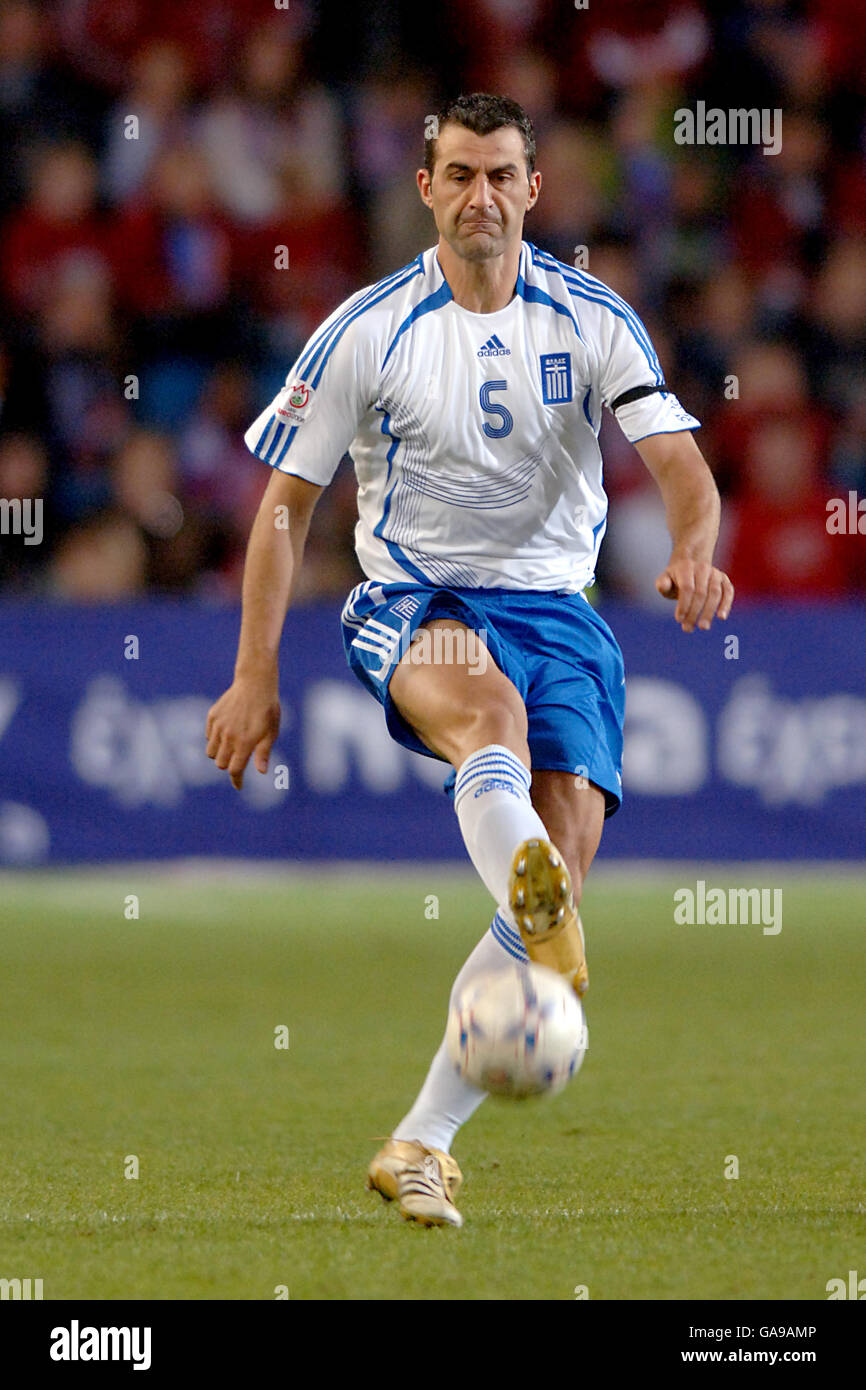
(491, 798)
(445, 1101)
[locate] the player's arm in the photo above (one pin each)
(632, 385)
(693, 510)
(246, 719)
(303, 433)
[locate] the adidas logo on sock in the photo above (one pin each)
(494, 348)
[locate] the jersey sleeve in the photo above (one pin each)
(631, 379)
(313, 419)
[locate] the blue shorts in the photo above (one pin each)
(561, 656)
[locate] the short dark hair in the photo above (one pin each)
(482, 114)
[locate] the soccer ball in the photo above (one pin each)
(519, 1032)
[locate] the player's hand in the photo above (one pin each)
(701, 591)
(245, 720)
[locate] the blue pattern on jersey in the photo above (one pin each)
(273, 426)
(279, 454)
(351, 318)
(325, 341)
(438, 571)
(572, 275)
(533, 295)
(467, 490)
(590, 286)
(390, 282)
(393, 549)
(582, 286)
(433, 301)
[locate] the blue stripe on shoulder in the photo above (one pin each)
(268, 425)
(283, 438)
(350, 318)
(279, 455)
(533, 295)
(308, 358)
(573, 276)
(587, 287)
(434, 301)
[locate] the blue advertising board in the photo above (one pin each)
(747, 742)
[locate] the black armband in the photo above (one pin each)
(637, 393)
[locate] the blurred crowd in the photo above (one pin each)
(156, 155)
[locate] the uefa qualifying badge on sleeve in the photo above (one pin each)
(295, 403)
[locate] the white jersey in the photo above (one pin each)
(474, 436)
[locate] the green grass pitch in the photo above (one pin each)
(155, 1038)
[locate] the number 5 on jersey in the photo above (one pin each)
(491, 407)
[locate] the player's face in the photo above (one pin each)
(480, 191)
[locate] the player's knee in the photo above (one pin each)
(497, 718)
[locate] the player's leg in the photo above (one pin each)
(575, 683)
(402, 1170)
(566, 727)
(415, 1166)
(572, 809)
(547, 876)
(474, 716)
(455, 696)
(479, 723)
(471, 714)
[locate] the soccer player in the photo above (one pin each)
(468, 388)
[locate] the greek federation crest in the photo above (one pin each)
(556, 384)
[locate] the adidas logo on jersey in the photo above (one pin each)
(494, 348)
